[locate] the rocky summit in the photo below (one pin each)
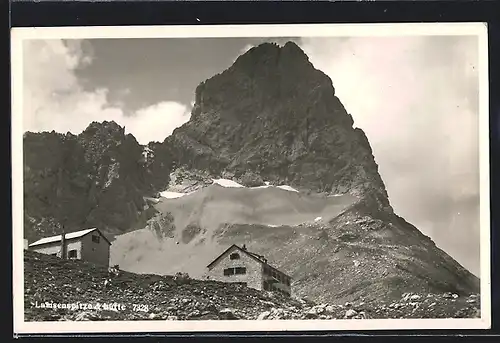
(308, 194)
(273, 114)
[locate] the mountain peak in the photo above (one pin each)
(271, 50)
(110, 127)
(269, 76)
(292, 49)
(274, 114)
(270, 59)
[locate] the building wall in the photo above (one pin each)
(97, 253)
(277, 279)
(55, 248)
(86, 249)
(253, 276)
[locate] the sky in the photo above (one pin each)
(415, 97)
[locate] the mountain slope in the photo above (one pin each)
(336, 250)
(215, 205)
(186, 229)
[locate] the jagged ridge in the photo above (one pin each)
(97, 178)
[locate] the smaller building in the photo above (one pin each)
(237, 264)
(88, 245)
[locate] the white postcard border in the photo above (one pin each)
(199, 31)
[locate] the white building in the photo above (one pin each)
(240, 265)
(88, 245)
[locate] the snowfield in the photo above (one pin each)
(231, 183)
(227, 184)
(260, 187)
(288, 188)
(172, 195)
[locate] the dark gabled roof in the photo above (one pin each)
(257, 257)
(69, 235)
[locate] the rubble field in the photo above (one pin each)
(72, 290)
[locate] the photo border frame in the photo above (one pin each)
(492, 243)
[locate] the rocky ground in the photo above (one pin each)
(51, 283)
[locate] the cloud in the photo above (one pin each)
(149, 123)
(417, 100)
(54, 98)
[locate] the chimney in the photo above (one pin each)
(64, 253)
(244, 247)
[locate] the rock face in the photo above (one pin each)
(97, 178)
(274, 114)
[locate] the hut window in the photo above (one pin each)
(72, 254)
(235, 271)
(96, 239)
(234, 256)
(240, 270)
